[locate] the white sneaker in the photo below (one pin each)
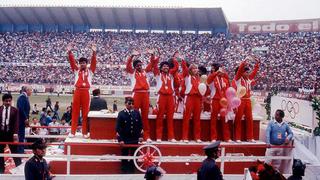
(71, 135)
(199, 141)
(158, 140)
(252, 140)
(230, 141)
(213, 141)
(149, 140)
(86, 136)
(185, 141)
(173, 140)
(238, 141)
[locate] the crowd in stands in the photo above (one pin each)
(289, 60)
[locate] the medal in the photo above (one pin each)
(166, 87)
(83, 84)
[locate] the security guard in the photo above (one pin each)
(36, 168)
(129, 131)
(209, 169)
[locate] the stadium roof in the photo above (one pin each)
(172, 18)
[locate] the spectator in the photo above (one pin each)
(43, 116)
(54, 123)
(48, 103)
(278, 133)
(115, 106)
(48, 118)
(298, 169)
(67, 115)
(64, 131)
(154, 173)
(35, 122)
(56, 111)
(35, 109)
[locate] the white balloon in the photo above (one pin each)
(202, 88)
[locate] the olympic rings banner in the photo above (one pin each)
(296, 110)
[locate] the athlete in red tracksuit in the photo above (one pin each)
(243, 78)
(140, 90)
(218, 83)
(166, 100)
(81, 96)
(193, 99)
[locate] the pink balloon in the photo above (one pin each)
(223, 112)
(231, 93)
(235, 102)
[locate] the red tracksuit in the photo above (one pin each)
(140, 92)
(166, 99)
(81, 96)
(192, 105)
(245, 108)
(218, 86)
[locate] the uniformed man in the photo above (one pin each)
(154, 173)
(209, 169)
(36, 168)
(129, 131)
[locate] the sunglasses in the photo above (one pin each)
(130, 103)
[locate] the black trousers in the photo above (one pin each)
(127, 166)
(5, 137)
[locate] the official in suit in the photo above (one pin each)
(23, 106)
(8, 127)
(97, 103)
(129, 131)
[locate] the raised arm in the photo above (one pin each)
(156, 70)
(93, 63)
(240, 70)
(211, 77)
(175, 68)
(255, 70)
(153, 60)
(129, 68)
(72, 61)
(185, 70)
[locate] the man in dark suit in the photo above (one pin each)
(23, 106)
(8, 127)
(97, 103)
(129, 131)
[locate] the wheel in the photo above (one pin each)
(146, 156)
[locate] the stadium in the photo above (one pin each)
(40, 41)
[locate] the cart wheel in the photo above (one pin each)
(146, 156)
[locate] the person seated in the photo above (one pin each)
(35, 109)
(154, 173)
(54, 123)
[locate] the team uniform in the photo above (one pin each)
(81, 96)
(245, 108)
(37, 169)
(192, 103)
(218, 86)
(166, 100)
(140, 89)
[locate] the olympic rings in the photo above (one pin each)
(291, 107)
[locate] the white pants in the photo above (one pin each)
(284, 166)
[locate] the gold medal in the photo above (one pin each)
(166, 87)
(83, 84)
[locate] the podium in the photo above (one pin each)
(102, 126)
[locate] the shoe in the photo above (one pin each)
(252, 140)
(199, 141)
(229, 141)
(71, 135)
(238, 141)
(173, 140)
(185, 141)
(149, 140)
(86, 136)
(213, 141)
(158, 140)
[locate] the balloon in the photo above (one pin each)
(202, 88)
(203, 78)
(241, 91)
(224, 102)
(230, 93)
(223, 112)
(235, 102)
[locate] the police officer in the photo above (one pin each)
(154, 173)
(209, 169)
(129, 131)
(36, 168)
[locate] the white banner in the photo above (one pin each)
(296, 110)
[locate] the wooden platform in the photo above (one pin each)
(102, 126)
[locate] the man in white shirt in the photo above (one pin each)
(54, 123)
